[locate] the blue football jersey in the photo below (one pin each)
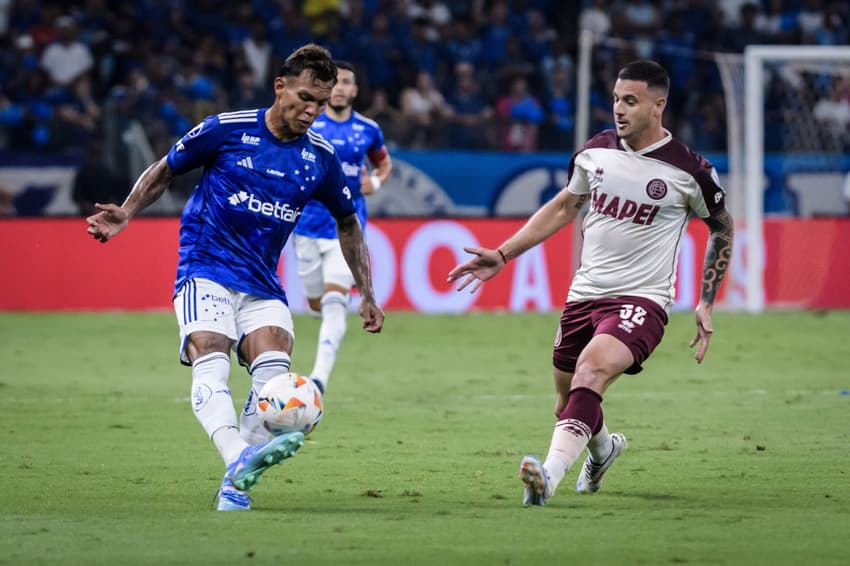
(354, 140)
(253, 190)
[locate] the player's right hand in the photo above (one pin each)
(479, 269)
(372, 315)
(107, 223)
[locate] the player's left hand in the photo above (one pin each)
(704, 330)
(372, 315)
(366, 186)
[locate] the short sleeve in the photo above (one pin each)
(577, 182)
(710, 198)
(333, 191)
(198, 147)
(377, 150)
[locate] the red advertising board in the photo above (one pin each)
(52, 264)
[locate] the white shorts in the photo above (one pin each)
(320, 261)
(204, 305)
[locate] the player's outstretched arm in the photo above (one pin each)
(717, 257)
(357, 257)
(550, 218)
(112, 219)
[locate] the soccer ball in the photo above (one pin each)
(290, 403)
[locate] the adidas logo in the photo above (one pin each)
(307, 156)
(236, 198)
(245, 162)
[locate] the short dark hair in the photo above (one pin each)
(313, 57)
(650, 72)
(344, 65)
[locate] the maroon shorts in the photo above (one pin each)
(636, 322)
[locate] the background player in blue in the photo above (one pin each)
(326, 277)
(261, 167)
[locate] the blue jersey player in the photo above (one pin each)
(261, 168)
(326, 277)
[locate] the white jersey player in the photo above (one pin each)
(642, 186)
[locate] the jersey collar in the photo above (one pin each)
(650, 148)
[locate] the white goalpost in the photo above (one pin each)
(818, 59)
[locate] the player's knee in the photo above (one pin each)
(202, 343)
(591, 374)
(335, 298)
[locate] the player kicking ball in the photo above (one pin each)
(261, 167)
(642, 186)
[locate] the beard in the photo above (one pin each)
(337, 108)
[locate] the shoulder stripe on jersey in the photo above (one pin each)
(238, 113)
(318, 140)
(238, 121)
(369, 121)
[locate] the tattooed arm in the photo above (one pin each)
(717, 257)
(357, 257)
(550, 218)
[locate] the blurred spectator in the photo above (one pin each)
(558, 131)
(708, 132)
(248, 95)
(258, 52)
(470, 113)
(638, 20)
(421, 50)
(834, 30)
(316, 12)
(77, 115)
(495, 36)
(538, 38)
(777, 23)
(520, 115)
(66, 58)
(463, 46)
(382, 56)
(736, 37)
(810, 19)
(388, 117)
(833, 114)
(435, 14)
(558, 59)
(423, 108)
(674, 50)
(96, 183)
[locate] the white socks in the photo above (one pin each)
(568, 440)
(266, 366)
(600, 445)
(213, 405)
(334, 313)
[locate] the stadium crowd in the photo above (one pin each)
(485, 74)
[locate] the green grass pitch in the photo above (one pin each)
(743, 460)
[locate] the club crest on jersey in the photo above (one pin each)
(656, 189)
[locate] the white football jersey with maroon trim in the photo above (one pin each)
(639, 209)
